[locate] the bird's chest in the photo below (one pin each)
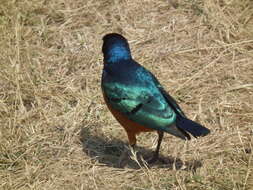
(120, 77)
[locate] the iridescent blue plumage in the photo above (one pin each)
(132, 90)
(116, 49)
(136, 93)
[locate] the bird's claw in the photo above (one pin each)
(156, 158)
(124, 157)
(153, 159)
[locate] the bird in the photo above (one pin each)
(137, 100)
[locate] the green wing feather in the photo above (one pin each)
(142, 104)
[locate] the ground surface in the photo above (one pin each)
(56, 132)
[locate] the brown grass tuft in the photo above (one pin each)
(56, 132)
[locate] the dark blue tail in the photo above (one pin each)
(191, 127)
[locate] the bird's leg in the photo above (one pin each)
(126, 153)
(125, 156)
(156, 153)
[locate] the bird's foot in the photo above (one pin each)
(156, 158)
(153, 159)
(123, 159)
(125, 156)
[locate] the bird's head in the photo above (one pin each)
(115, 48)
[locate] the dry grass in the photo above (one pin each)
(56, 132)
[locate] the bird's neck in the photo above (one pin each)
(117, 54)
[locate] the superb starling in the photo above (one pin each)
(137, 99)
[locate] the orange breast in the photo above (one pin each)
(131, 127)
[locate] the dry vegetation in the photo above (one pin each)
(56, 132)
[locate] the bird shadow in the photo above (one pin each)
(108, 151)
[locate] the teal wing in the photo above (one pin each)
(169, 99)
(143, 104)
(172, 102)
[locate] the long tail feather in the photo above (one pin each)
(174, 130)
(191, 127)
